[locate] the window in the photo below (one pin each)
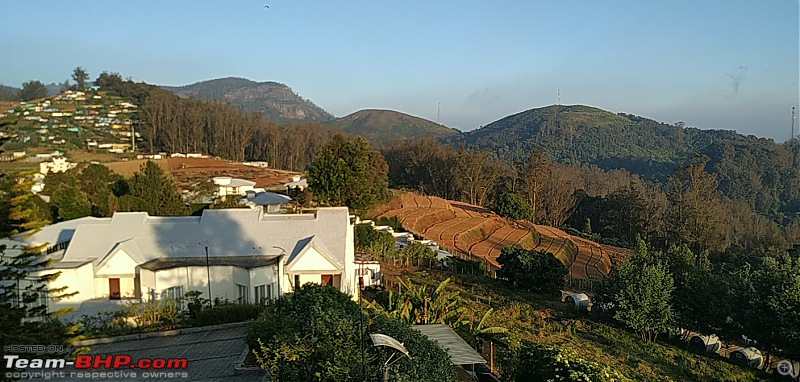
(259, 294)
(242, 293)
(296, 281)
(175, 293)
(269, 292)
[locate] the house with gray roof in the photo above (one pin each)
(228, 254)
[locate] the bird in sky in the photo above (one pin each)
(266, 6)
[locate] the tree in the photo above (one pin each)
(314, 334)
(155, 187)
(512, 206)
(32, 90)
(24, 290)
(695, 213)
(80, 75)
(349, 173)
(98, 182)
(72, 202)
(368, 240)
(534, 173)
(533, 270)
(642, 294)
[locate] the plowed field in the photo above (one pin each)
(478, 232)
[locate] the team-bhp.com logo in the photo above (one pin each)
(117, 366)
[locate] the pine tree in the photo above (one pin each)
(156, 188)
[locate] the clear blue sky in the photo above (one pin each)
(713, 64)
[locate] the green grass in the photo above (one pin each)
(546, 320)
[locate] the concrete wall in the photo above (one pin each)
(79, 280)
(224, 280)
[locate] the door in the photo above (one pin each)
(113, 289)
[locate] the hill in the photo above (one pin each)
(274, 100)
(380, 126)
(757, 170)
(479, 233)
(95, 120)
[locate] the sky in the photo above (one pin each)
(723, 64)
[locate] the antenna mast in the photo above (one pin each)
(793, 117)
(439, 113)
(558, 97)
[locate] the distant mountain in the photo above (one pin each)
(756, 169)
(274, 100)
(380, 126)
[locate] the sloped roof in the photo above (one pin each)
(459, 350)
(57, 233)
(226, 232)
(266, 198)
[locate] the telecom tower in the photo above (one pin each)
(439, 113)
(792, 140)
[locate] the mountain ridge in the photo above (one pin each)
(382, 125)
(274, 100)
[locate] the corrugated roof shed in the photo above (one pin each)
(459, 350)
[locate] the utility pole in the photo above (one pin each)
(208, 272)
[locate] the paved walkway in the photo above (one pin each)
(212, 356)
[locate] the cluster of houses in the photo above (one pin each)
(61, 119)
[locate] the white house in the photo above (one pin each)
(233, 254)
(232, 186)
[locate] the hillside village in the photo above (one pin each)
(89, 120)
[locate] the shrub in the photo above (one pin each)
(512, 206)
(227, 313)
(532, 270)
(536, 362)
(315, 334)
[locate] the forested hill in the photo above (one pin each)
(380, 126)
(756, 169)
(274, 100)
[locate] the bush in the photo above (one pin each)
(536, 362)
(380, 244)
(512, 206)
(227, 313)
(315, 333)
(532, 270)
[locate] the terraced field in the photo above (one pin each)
(477, 232)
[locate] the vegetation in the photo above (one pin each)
(348, 173)
(578, 338)
(32, 90)
(378, 244)
(383, 126)
(319, 334)
(537, 362)
(80, 76)
(641, 290)
(24, 294)
(532, 270)
(512, 206)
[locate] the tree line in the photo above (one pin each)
(688, 208)
(168, 123)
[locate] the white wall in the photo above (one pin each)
(224, 279)
(76, 280)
